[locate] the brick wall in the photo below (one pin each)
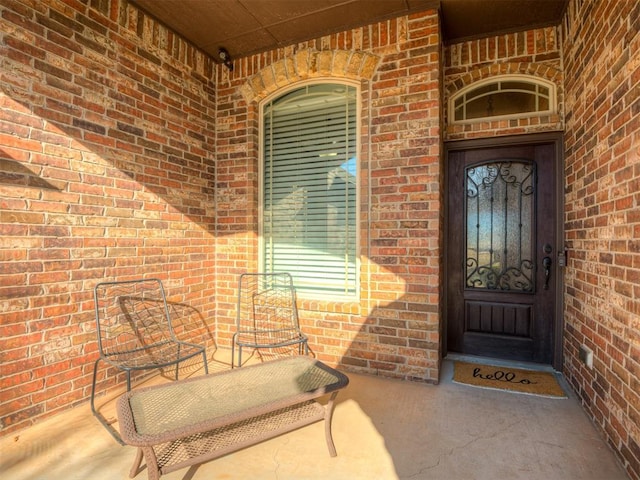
(107, 142)
(534, 53)
(125, 153)
(602, 140)
(393, 329)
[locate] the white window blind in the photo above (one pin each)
(309, 190)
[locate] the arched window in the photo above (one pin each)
(505, 96)
(309, 187)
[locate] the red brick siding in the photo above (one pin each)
(394, 329)
(121, 157)
(107, 146)
(602, 140)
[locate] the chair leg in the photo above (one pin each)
(93, 386)
(233, 350)
(204, 360)
(101, 419)
(177, 363)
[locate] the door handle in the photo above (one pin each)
(546, 263)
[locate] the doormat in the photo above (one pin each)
(532, 382)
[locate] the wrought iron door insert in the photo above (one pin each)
(499, 208)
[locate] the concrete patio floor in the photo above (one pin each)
(383, 429)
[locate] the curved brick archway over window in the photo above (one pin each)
(533, 70)
(492, 127)
(308, 64)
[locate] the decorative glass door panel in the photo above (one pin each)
(500, 200)
(501, 268)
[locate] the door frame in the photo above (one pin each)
(556, 138)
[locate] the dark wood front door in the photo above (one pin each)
(502, 256)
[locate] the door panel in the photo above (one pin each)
(500, 251)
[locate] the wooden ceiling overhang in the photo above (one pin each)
(247, 27)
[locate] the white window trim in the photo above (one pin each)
(553, 108)
(261, 178)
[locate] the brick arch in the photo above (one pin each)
(531, 69)
(306, 64)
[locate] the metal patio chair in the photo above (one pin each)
(135, 332)
(267, 315)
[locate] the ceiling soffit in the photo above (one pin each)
(247, 27)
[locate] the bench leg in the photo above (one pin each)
(328, 415)
(150, 459)
(136, 463)
(152, 463)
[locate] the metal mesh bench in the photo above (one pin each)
(188, 422)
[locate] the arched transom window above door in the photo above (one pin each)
(508, 96)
